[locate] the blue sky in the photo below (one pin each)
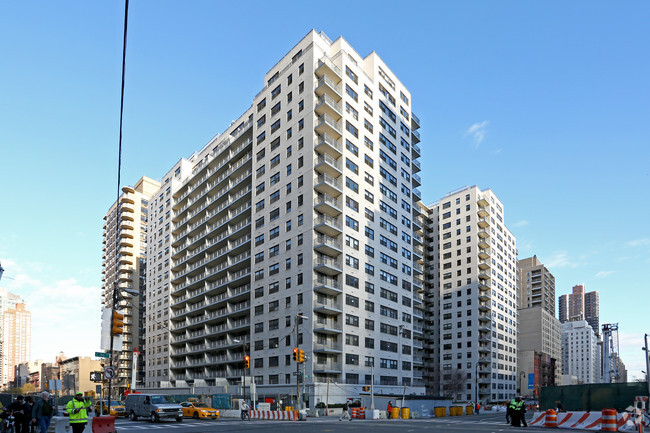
(547, 103)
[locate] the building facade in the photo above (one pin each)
(124, 269)
(17, 340)
(581, 305)
(540, 349)
(471, 297)
(304, 206)
(580, 352)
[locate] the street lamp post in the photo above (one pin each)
(647, 362)
(299, 317)
(243, 342)
(477, 382)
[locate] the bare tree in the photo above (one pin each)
(453, 383)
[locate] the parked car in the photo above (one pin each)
(152, 406)
(117, 408)
(196, 410)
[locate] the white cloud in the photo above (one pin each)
(638, 242)
(560, 259)
(66, 316)
(477, 131)
(521, 223)
(630, 350)
(603, 274)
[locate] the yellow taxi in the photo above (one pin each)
(198, 410)
(117, 408)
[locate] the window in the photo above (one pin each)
(274, 269)
(351, 281)
(352, 204)
(351, 184)
(351, 242)
(276, 92)
(352, 148)
(352, 359)
(352, 111)
(353, 262)
(369, 161)
(352, 129)
(261, 105)
(352, 301)
(351, 75)
(352, 223)
(370, 269)
(352, 320)
(351, 93)
(276, 109)
(274, 233)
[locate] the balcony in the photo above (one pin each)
(416, 166)
(483, 306)
(327, 225)
(326, 67)
(328, 306)
(484, 318)
(484, 253)
(415, 150)
(329, 145)
(483, 234)
(328, 245)
(326, 285)
(484, 264)
(415, 121)
(326, 105)
(483, 223)
(327, 184)
(328, 326)
(417, 195)
(327, 86)
(328, 165)
(483, 243)
(484, 285)
(327, 265)
(415, 136)
(326, 125)
(327, 205)
(417, 180)
(483, 276)
(483, 295)
(482, 202)
(328, 367)
(327, 348)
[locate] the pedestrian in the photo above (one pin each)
(521, 412)
(559, 406)
(43, 411)
(345, 414)
(389, 409)
(478, 408)
(509, 410)
(22, 414)
(29, 401)
(77, 409)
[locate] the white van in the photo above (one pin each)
(152, 406)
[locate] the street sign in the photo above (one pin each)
(102, 355)
(109, 372)
(95, 376)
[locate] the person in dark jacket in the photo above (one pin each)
(43, 411)
(22, 414)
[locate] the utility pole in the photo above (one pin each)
(647, 362)
(327, 398)
(372, 384)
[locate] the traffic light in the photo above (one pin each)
(295, 354)
(247, 361)
(365, 388)
(301, 355)
(117, 324)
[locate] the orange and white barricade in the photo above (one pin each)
(281, 415)
(538, 419)
(609, 420)
(551, 419)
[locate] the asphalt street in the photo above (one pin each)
(484, 423)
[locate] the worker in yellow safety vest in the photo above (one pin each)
(77, 408)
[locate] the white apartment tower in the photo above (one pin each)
(303, 206)
(123, 267)
(580, 352)
(471, 297)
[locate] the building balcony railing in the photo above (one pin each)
(326, 124)
(327, 144)
(327, 105)
(326, 85)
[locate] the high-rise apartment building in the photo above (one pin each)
(304, 206)
(471, 297)
(581, 355)
(124, 269)
(536, 285)
(16, 338)
(540, 351)
(581, 305)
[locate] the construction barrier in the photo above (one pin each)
(440, 411)
(608, 420)
(455, 410)
(285, 415)
(358, 412)
(394, 413)
(406, 412)
(551, 419)
(538, 419)
(104, 424)
(469, 410)
(362, 413)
